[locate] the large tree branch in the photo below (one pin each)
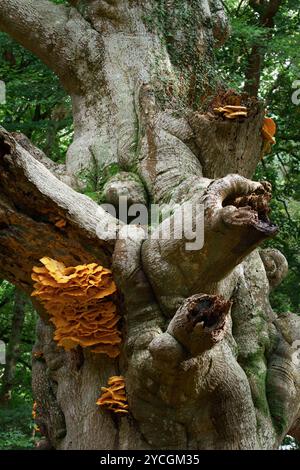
(41, 216)
(57, 169)
(37, 25)
(57, 34)
(235, 222)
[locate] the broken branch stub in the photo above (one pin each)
(200, 322)
(242, 206)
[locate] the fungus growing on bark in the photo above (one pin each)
(34, 417)
(113, 398)
(269, 130)
(232, 112)
(61, 223)
(79, 302)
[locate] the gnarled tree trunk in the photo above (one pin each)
(207, 363)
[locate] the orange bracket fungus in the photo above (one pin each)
(113, 398)
(34, 410)
(232, 112)
(78, 300)
(268, 132)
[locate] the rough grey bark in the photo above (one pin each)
(207, 363)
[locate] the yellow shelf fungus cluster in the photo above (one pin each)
(232, 112)
(78, 300)
(113, 398)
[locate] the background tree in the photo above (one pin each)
(15, 414)
(13, 350)
(36, 104)
(141, 76)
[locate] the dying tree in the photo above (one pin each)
(207, 363)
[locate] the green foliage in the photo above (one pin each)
(281, 67)
(35, 104)
(95, 178)
(16, 425)
(284, 172)
(280, 45)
